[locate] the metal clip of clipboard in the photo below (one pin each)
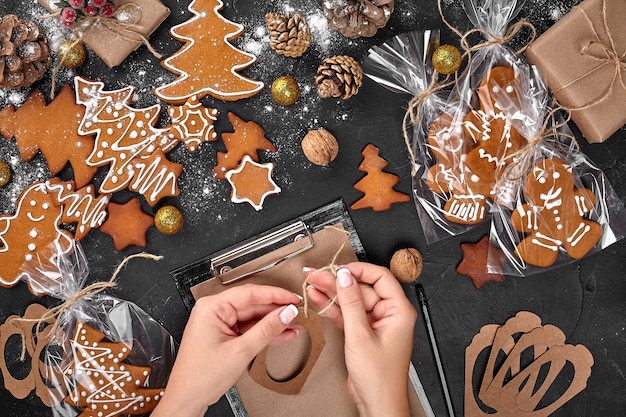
(229, 266)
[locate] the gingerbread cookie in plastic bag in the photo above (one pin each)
(554, 217)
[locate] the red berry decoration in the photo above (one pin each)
(68, 16)
(107, 10)
(90, 10)
(98, 3)
(77, 4)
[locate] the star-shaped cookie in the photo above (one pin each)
(252, 182)
(127, 224)
(474, 263)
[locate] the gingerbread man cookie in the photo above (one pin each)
(468, 193)
(489, 127)
(33, 227)
(554, 215)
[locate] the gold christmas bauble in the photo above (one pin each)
(406, 265)
(5, 174)
(285, 90)
(446, 59)
(168, 220)
(73, 53)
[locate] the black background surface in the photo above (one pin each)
(586, 299)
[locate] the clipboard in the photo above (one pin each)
(276, 257)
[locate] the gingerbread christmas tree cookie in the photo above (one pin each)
(376, 185)
(208, 63)
(106, 385)
(53, 130)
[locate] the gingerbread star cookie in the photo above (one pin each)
(474, 263)
(252, 182)
(127, 224)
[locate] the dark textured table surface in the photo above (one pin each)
(586, 299)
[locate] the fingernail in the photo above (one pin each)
(307, 269)
(345, 278)
(299, 296)
(309, 287)
(288, 314)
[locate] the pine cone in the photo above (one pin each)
(356, 18)
(24, 52)
(289, 35)
(339, 76)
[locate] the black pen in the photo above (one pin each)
(421, 298)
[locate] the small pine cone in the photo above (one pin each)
(339, 76)
(289, 35)
(356, 18)
(24, 52)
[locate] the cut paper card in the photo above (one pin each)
(525, 371)
(291, 383)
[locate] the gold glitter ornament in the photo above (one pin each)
(5, 174)
(168, 220)
(285, 90)
(446, 59)
(73, 53)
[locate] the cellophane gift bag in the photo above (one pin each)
(470, 144)
(106, 357)
(553, 205)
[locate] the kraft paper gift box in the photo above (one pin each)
(582, 59)
(112, 43)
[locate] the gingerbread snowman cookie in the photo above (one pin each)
(554, 217)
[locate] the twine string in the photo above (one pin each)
(414, 113)
(609, 55)
(332, 267)
(491, 39)
(89, 291)
(522, 160)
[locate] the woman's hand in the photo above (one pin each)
(224, 333)
(378, 322)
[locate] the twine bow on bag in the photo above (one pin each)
(605, 53)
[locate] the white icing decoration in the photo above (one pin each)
(268, 168)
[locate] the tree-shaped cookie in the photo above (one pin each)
(103, 384)
(126, 139)
(207, 63)
(376, 185)
(247, 139)
(53, 129)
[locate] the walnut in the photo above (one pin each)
(320, 146)
(406, 265)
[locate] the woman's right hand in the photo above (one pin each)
(378, 322)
